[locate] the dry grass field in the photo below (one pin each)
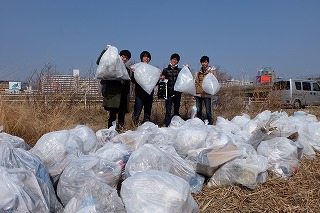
(300, 193)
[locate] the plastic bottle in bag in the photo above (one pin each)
(193, 111)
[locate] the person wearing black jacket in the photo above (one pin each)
(142, 98)
(116, 93)
(173, 97)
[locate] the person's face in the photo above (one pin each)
(124, 59)
(146, 59)
(174, 61)
(204, 64)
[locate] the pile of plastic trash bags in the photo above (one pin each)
(151, 169)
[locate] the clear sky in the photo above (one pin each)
(240, 36)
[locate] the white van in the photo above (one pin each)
(298, 93)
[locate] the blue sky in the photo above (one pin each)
(240, 36)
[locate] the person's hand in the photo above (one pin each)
(132, 69)
(186, 65)
(107, 46)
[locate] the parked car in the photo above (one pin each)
(297, 93)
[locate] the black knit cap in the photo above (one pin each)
(145, 53)
(176, 56)
(126, 53)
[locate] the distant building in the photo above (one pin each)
(234, 82)
(4, 85)
(69, 84)
(266, 76)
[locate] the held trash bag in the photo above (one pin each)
(185, 82)
(210, 84)
(146, 76)
(111, 67)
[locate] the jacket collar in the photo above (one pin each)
(172, 67)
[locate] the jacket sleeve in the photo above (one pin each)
(99, 58)
(164, 72)
(103, 87)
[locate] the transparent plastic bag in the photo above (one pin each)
(210, 84)
(22, 191)
(247, 172)
(157, 191)
(56, 149)
(17, 142)
(88, 137)
(87, 171)
(146, 76)
(185, 82)
(209, 160)
(111, 67)
(283, 155)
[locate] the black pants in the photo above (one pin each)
(121, 111)
(143, 101)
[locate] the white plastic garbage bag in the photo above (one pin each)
(111, 67)
(22, 191)
(88, 137)
(56, 149)
(105, 135)
(209, 160)
(11, 157)
(241, 120)
(176, 121)
(247, 172)
(210, 84)
(282, 125)
(95, 197)
(149, 157)
(17, 142)
(134, 139)
(87, 171)
(115, 152)
(156, 191)
(185, 82)
(231, 129)
(216, 138)
(283, 155)
(310, 139)
(188, 138)
(146, 75)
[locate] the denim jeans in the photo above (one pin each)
(207, 103)
(145, 102)
(175, 100)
